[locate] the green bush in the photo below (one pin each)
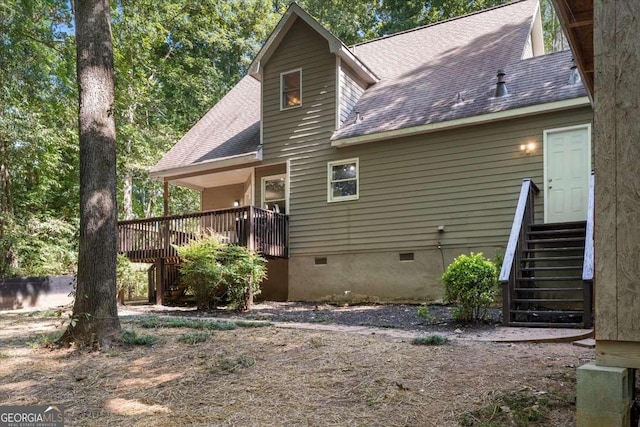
(243, 273)
(209, 268)
(471, 282)
(131, 279)
(201, 269)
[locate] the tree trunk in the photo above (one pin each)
(95, 320)
(127, 180)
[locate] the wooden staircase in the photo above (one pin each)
(549, 290)
(547, 273)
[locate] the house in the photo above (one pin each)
(372, 166)
(605, 38)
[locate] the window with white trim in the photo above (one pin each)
(291, 89)
(342, 180)
(274, 194)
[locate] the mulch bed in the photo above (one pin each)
(438, 318)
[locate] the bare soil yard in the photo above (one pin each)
(266, 376)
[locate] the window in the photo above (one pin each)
(291, 89)
(343, 180)
(274, 195)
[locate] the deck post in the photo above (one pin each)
(165, 198)
(159, 281)
(251, 241)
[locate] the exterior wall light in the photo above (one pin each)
(528, 148)
(236, 203)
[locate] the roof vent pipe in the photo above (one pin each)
(574, 75)
(501, 86)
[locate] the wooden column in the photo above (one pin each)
(165, 198)
(160, 285)
(617, 164)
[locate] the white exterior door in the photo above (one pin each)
(567, 166)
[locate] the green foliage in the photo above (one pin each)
(209, 267)
(181, 322)
(425, 312)
(471, 283)
(245, 324)
(231, 364)
(46, 247)
(130, 278)
(193, 337)
(130, 337)
(243, 273)
(201, 269)
(430, 340)
(46, 340)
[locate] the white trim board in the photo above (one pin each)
(467, 121)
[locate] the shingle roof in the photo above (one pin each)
(421, 73)
(230, 128)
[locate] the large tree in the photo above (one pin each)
(95, 320)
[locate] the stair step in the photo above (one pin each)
(554, 268)
(548, 312)
(549, 279)
(555, 249)
(546, 324)
(557, 231)
(554, 258)
(548, 289)
(556, 225)
(547, 300)
(556, 240)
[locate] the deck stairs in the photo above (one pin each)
(549, 290)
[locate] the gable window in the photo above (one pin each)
(291, 89)
(274, 194)
(342, 180)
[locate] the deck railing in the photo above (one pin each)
(587, 266)
(263, 231)
(522, 219)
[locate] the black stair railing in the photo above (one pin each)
(524, 217)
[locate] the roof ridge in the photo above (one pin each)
(433, 24)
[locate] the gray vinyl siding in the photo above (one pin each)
(351, 88)
(466, 179)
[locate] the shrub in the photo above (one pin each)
(201, 269)
(209, 267)
(471, 283)
(243, 273)
(130, 279)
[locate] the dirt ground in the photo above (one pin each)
(269, 376)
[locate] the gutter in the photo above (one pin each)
(466, 121)
(240, 159)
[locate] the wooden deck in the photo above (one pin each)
(150, 239)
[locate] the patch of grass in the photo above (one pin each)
(194, 337)
(3, 356)
(232, 364)
(430, 340)
(45, 313)
(246, 324)
(316, 342)
(424, 311)
(181, 322)
(130, 337)
(45, 340)
(521, 408)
